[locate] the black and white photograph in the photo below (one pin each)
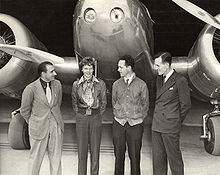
(109, 87)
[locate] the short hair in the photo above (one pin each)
(43, 67)
(165, 56)
(129, 61)
(89, 61)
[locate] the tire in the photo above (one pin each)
(212, 144)
(18, 133)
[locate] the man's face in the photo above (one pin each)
(122, 68)
(159, 66)
(87, 71)
(50, 74)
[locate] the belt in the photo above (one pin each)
(85, 112)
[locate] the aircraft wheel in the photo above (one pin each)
(18, 133)
(212, 144)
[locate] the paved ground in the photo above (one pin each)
(197, 161)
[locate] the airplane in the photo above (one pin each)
(106, 30)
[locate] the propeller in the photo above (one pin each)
(198, 12)
(30, 54)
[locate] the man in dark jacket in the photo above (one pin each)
(172, 105)
(130, 106)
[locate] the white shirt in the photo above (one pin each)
(168, 75)
(129, 79)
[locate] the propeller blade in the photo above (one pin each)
(198, 12)
(30, 54)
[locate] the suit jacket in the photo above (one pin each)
(36, 110)
(172, 104)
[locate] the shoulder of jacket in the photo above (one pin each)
(75, 83)
(141, 81)
(33, 83)
(101, 81)
(30, 87)
(57, 82)
(117, 81)
(180, 77)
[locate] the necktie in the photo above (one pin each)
(127, 82)
(163, 79)
(48, 93)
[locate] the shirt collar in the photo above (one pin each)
(130, 78)
(168, 74)
(82, 80)
(44, 83)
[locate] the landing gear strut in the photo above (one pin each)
(211, 131)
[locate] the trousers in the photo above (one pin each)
(166, 148)
(132, 136)
(88, 131)
(52, 144)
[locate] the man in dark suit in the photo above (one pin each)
(40, 107)
(172, 105)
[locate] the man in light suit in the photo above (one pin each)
(172, 105)
(40, 107)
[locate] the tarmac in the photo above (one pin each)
(15, 162)
(196, 160)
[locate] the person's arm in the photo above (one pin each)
(114, 98)
(103, 97)
(74, 97)
(145, 99)
(184, 98)
(60, 94)
(26, 103)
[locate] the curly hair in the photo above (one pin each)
(89, 61)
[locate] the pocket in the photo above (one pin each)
(171, 116)
(34, 123)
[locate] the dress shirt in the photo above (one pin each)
(129, 79)
(167, 76)
(44, 84)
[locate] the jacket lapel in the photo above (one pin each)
(166, 85)
(54, 93)
(159, 83)
(41, 92)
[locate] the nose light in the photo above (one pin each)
(116, 14)
(89, 15)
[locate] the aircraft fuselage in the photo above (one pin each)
(110, 29)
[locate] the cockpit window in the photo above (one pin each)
(116, 14)
(89, 15)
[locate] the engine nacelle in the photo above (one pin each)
(15, 73)
(203, 64)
